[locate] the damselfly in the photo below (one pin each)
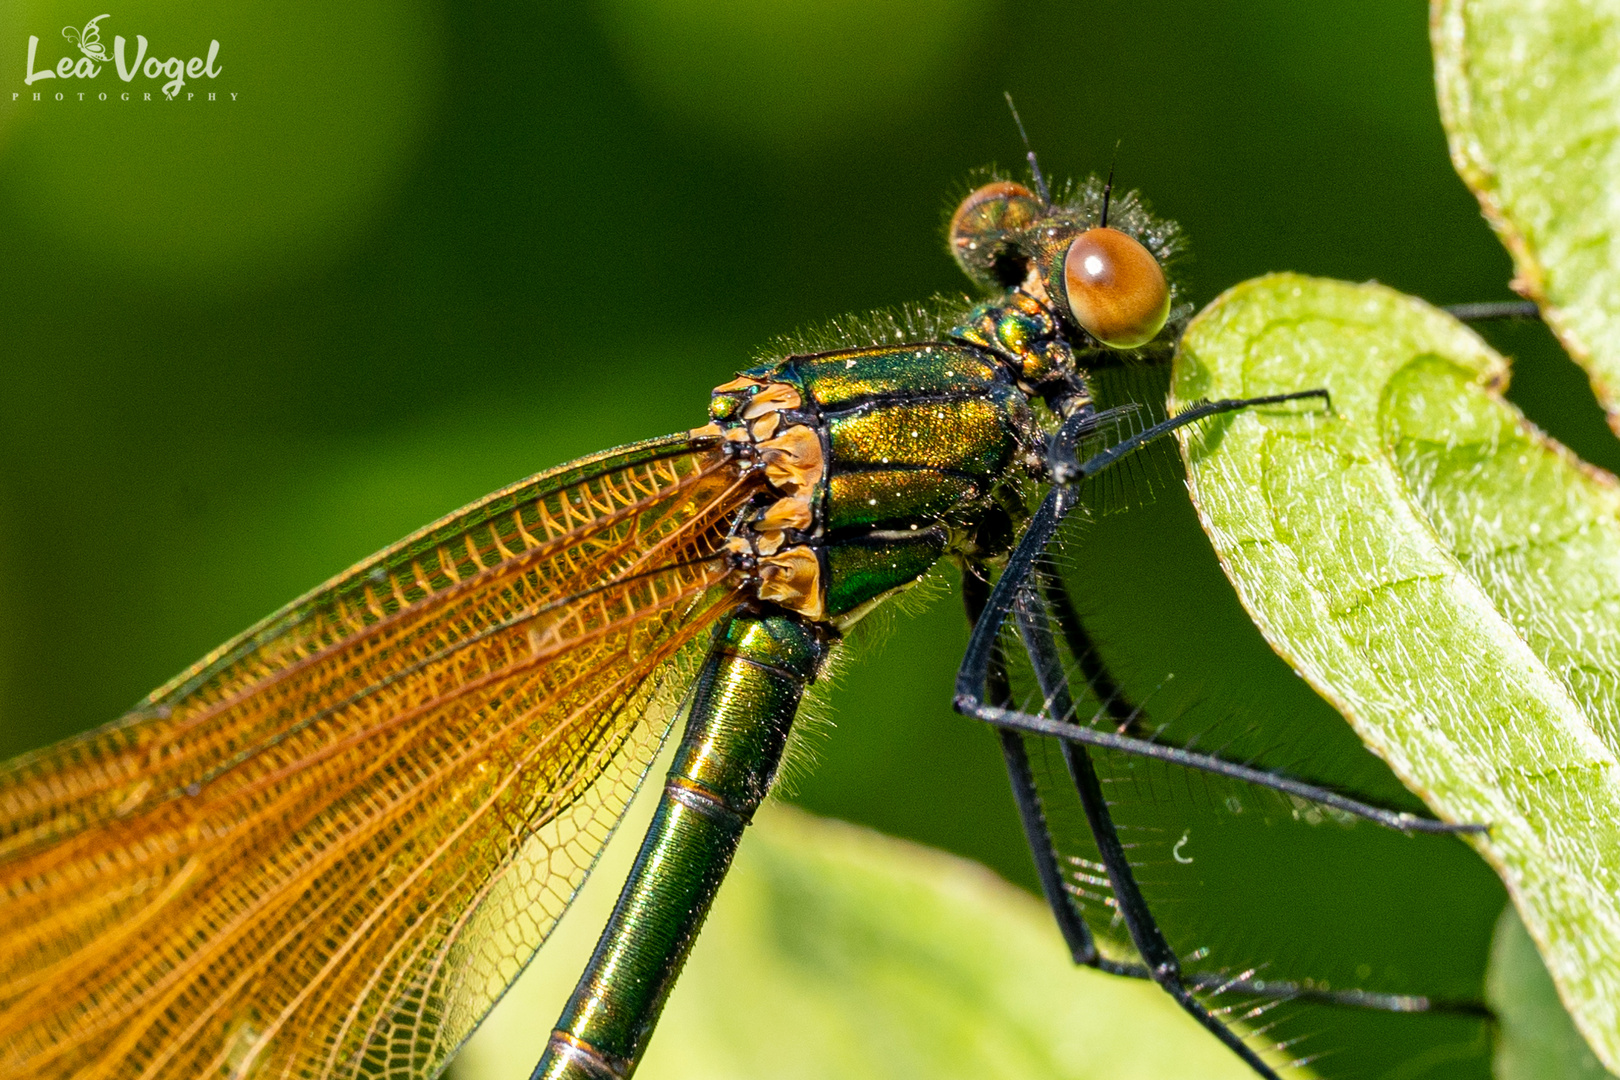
(327, 848)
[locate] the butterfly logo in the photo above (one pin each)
(89, 39)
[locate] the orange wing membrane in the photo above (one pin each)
(329, 847)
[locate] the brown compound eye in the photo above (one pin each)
(1116, 289)
(981, 224)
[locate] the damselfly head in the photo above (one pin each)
(1104, 280)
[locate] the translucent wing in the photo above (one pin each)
(330, 846)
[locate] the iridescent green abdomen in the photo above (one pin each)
(742, 709)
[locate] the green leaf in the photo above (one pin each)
(1444, 575)
(1530, 98)
(1535, 1039)
(836, 952)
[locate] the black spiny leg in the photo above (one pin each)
(1066, 468)
(1067, 472)
(972, 679)
(1114, 704)
(1034, 628)
(982, 691)
(1043, 846)
(1076, 935)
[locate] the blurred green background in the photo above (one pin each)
(428, 249)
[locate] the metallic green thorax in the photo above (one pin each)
(916, 439)
(741, 713)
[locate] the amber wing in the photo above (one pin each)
(328, 848)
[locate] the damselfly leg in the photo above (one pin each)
(1030, 612)
(1010, 589)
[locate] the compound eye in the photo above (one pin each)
(981, 224)
(1116, 289)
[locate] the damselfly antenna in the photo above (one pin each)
(1029, 152)
(1108, 188)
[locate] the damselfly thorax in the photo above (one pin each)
(880, 461)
